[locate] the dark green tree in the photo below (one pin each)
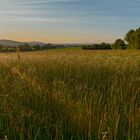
(25, 47)
(130, 38)
(133, 38)
(1, 47)
(137, 38)
(119, 44)
(36, 47)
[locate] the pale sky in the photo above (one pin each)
(68, 21)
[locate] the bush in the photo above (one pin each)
(25, 47)
(36, 47)
(119, 44)
(102, 46)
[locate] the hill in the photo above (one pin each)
(12, 43)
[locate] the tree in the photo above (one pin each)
(119, 44)
(137, 38)
(25, 47)
(1, 47)
(133, 38)
(102, 46)
(130, 38)
(36, 47)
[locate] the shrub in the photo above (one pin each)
(119, 44)
(102, 46)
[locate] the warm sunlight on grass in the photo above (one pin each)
(70, 95)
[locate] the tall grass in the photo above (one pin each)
(70, 95)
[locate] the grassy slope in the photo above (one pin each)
(70, 95)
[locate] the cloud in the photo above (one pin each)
(91, 15)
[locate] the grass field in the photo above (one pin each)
(70, 95)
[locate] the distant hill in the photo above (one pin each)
(33, 43)
(12, 43)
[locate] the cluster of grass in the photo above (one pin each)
(70, 95)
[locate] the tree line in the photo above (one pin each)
(27, 47)
(130, 41)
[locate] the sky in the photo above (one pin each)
(68, 21)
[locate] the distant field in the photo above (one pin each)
(70, 95)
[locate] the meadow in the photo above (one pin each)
(70, 95)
